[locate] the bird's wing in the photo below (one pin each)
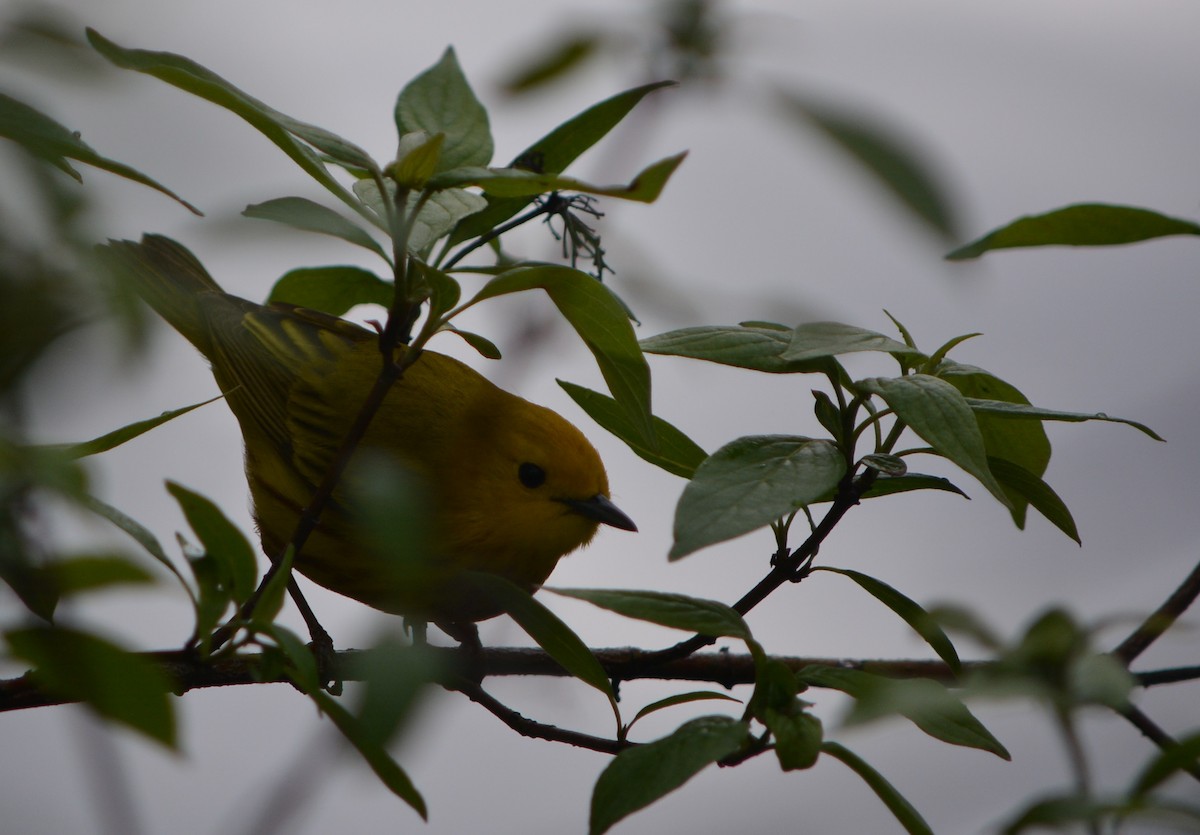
(276, 361)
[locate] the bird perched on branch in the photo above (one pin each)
(510, 486)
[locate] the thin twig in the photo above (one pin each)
(540, 209)
(532, 728)
(1155, 734)
(1077, 757)
(1162, 619)
(1170, 675)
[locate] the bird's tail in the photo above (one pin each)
(169, 278)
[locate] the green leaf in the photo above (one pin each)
(1061, 810)
(562, 55)
(1084, 224)
(139, 534)
(396, 675)
(1166, 764)
(892, 466)
(270, 602)
(1022, 442)
(600, 320)
(908, 610)
(332, 290)
(676, 453)
(377, 757)
(97, 571)
(775, 688)
(890, 485)
(545, 627)
(301, 213)
(755, 348)
(641, 775)
(902, 330)
(828, 415)
(896, 164)
(751, 482)
(119, 685)
(1097, 678)
(904, 812)
(302, 662)
(553, 153)
(417, 159)
(114, 439)
(1019, 411)
(517, 182)
(677, 611)
(438, 214)
(281, 130)
(222, 541)
(937, 412)
(486, 348)
(440, 100)
(51, 141)
(52, 468)
(1028, 488)
(939, 355)
(798, 738)
(679, 699)
(815, 340)
(928, 704)
(442, 291)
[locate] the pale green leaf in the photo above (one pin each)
(814, 340)
(440, 100)
(937, 412)
(750, 483)
(305, 214)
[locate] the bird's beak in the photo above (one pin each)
(600, 508)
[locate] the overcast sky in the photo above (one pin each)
(1021, 107)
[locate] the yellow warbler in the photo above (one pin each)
(512, 485)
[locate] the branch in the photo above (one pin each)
(1162, 619)
(783, 570)
(189, 671)
(534, 729)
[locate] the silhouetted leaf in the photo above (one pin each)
(1084, 224)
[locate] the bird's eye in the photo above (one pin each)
(531, 475)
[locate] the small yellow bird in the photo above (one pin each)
(512, 486)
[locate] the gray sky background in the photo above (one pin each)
(1023, 107)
